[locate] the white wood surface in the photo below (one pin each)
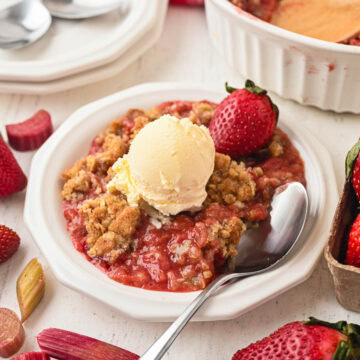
(184, 53)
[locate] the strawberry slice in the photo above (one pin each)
(12, 178)
(66, 345)
(30, 134)
(12, 333)
(9, 243)
(313, 339)
(31, 356)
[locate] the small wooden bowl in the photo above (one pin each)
(346, 278)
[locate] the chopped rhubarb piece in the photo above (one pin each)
(12, 178)
(66, 345)
(31, 356)
(32, 133)
(30, 288)
(12, 333)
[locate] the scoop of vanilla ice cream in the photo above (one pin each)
(168, 165)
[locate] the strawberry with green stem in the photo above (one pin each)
(244, 122)
(352, 169)
(309, 340)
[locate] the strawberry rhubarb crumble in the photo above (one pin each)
(291, 15)
(160, 202)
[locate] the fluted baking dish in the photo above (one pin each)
(297, 67)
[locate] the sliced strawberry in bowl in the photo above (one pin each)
(12, 178)
(32, 133)
(244, 121)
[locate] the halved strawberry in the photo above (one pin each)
(12, 178)
(30, 134)
(244, 121)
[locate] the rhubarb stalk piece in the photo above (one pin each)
(31, 356)
(30, 288)
(30, 134)
(12, 333)
(66, 345)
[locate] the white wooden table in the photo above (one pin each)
(184, 53)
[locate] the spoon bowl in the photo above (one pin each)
(264, 248)
(23, 23)
(275, 236)
(81, 9)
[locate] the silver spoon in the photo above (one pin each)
(259, 251)
(81, 9)
(23, 23)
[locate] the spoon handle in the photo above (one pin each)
(161, 345)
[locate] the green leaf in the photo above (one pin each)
(339, 326)
(351, 158)
(250, 86)
(229, 88)
(342, 352)
(353, 333)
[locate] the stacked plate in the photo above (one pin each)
(76, 53)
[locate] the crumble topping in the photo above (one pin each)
(110, 223)
(227, 234)
(230, 182)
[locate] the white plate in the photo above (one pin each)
(97, 74)
(71, 141)
(74, 46)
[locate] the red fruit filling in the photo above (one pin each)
(180, 253)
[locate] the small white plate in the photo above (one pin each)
(74, 46)
(100, 73)
(43, 214)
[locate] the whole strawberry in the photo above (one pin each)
(12, 178)
(244, 121)
(9, 243)
(353, 250)
(310, 340)
(352, 168)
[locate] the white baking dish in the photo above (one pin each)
(44, 217)
(310, 71)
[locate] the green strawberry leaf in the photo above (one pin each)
(342, 352)
(250, 86)
(353, 333)
(257, 90)
(351, 158)
(339, 326)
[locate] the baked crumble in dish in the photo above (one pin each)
(264, 10)
(139, 245)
